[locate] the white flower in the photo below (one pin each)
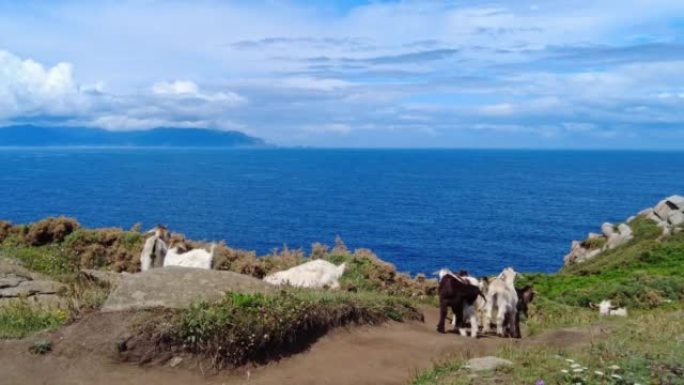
(614, 367)
(616, 376)
(569, 360)
(578, 370)
(598, 373)
(564, 371)
(575, 365)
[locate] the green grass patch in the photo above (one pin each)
(19, 319)
(258, 327)
(52, 260)
(645, 349)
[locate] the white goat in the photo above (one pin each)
(314, 274)
(606, 308)
(470, 311)
(501, 293)
(197, 258)
(155, 248)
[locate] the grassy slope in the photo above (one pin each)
(645, 275)
(260, 327)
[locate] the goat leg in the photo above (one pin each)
(442, 316)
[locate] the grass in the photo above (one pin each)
(646, 275)
(647, 349)
(260, 327)
(20, 318)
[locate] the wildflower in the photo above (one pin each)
(569, 360)
(616, 376)
(614, 367)
(575, 366)
(598, 373)
(578, 370)
(564, 371)
(539, 382)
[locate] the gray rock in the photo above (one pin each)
(178, 287)
(677, 200)
(664, 208)
(676, 218)
(624, 230)
(27, 288)
(607, 229)
(487, 363)
(175, 361)
(646, 212)
(110, 278)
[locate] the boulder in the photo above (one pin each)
(645, 212)
(676, 218)
(607, 229)
(665, 207)
(678, 201)
(487, 363)
(178, 287)
(625, 230)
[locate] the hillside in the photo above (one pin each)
(34, 136)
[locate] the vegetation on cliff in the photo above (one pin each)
(646, 275)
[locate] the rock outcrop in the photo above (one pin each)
(668, 214)
(178, 287)
(17, 282)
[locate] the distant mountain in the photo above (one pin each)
(35, 136)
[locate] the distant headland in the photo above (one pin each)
(59, 136)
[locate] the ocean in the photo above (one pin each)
(422, 210)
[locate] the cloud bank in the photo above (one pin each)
(400, 74)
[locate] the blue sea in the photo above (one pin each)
(420, 209)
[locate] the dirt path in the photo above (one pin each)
(387, 354)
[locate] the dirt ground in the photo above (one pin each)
(387, 354)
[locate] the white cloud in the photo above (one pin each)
(28, 87)
(189, 89)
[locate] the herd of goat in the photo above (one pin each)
(471, 300)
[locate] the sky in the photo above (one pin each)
(352, 73)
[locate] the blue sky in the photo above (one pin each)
(517, 73)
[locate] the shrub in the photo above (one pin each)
(40, 347)
(50, 230)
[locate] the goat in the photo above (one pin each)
(198, 258)
(460, 295)
(525, 296)
(471, 312)
(606, 308)
(155, 248)
(502, 294)
(313, 274)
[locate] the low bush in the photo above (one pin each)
(50, 230)
(40, 347)
(259, 327)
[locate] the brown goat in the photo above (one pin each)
(454, 293)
